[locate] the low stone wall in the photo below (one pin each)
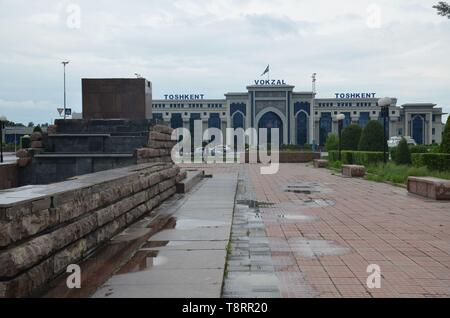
(318, 163)
(433, 188)
(9, 176)
(293, 157)
(353, 171)
(43, 229)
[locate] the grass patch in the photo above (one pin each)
(399, 173)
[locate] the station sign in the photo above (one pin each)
(184, 96)
(272, 82)
(355, 95)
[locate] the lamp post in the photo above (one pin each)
(385, 103)
(340, 118)
(3, 120)
(64, 65)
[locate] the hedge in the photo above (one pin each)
(433, 161)
(363, 158)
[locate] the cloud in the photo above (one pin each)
(218, 46)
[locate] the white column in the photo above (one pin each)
(312, 116)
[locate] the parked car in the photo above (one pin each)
(394, 141)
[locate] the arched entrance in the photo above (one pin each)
(271, 120)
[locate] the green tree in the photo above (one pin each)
(350, 137)
(443, 9)
(37, 129)
(372, 138)
(445, 146)
(403, 154)
(332, 142)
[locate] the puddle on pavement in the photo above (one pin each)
(292, 217)
(316, 248)
(254, 204)
(313, 203)
(305, 188)
(143, 261)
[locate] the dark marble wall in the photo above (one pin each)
(116, 98)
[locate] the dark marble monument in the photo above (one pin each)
(117, 98)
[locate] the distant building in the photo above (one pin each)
(301, 117)
(12, 135)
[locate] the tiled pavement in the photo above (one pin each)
(325, 230)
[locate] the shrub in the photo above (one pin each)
(403, 155)
(350, 137)
(333, 155)
(366, 158)
(393, 153)
(419, 149)
(372, 138)
(332, 142)
(25, 142)
(37, 129)
(434, 148)
(445, 145)
(433, 161)
(356, 157)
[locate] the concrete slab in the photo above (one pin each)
(146, 260)
(187, 259)
(199, 234)
(169, 277)
(185, 245)
(160, 291)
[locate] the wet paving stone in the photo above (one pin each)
(250, 272)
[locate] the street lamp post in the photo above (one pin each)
(3, 120)
(64, 65)
(340, 118)
(385, 103)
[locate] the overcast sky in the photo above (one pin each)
(218, 46)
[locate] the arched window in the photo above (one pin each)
(214, 121)
(302, 128)
(238, 121)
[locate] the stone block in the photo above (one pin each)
(37, 144)
(36, 136)
(25, 256)
(157, 136)
(26, 226)
(25, 284)
(432, 188)
(353, 171)
(320, 163)
(23, 162)
(69, 256)
(163, 129)
(73, 232)
(22, 153)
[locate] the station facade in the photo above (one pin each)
(301, 117)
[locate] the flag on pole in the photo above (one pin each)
(266, 71)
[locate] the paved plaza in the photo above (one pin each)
(313, 233)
